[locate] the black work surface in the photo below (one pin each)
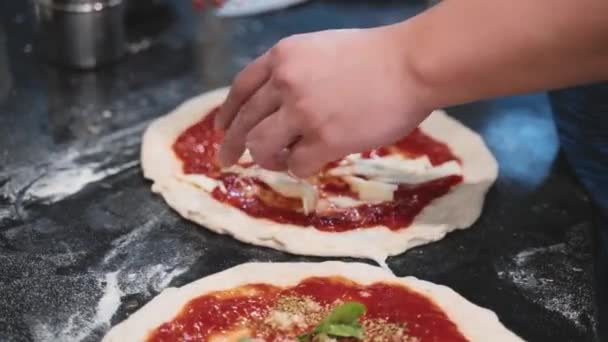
(84, 242)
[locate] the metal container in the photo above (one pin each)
(82, 34)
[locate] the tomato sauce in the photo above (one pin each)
(201, 4)
(408, 202)
(222, 312)
(198, 145)
(417, 144)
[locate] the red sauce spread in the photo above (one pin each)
(417, 144)
(201, 4)
(250, 309)
(197, 148)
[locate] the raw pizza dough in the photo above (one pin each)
(458, 209)
(475, 323)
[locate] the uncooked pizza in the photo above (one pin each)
(310, 302)
(372, 204)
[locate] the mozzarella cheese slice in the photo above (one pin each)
(246, 158)
(371, 191)
(382, 178)
(343, 202)
(283, 184)
(209, 184)
(200, 181)
(396, 169)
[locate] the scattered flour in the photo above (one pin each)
(139, 46)
(77, 328)
(522, 257)
(86, 322)
(55, 186)
(137, 264)
(121, 245)
(69, 171)
(5, 213)
(546, 275)
(110, 301)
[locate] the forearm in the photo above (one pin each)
(460, 51)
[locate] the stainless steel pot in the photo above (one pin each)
(82, 34)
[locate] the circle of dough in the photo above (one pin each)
(458, 209)
(477, 324)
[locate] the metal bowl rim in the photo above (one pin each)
(79, 6)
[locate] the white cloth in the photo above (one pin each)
(238, 8)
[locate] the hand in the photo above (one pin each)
(314, 98)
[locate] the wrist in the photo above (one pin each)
(415, 69)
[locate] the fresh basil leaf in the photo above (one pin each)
(245, 339)
(344, 330)
(343, 321)
(305, 337)
(346, 314)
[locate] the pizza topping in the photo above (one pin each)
(201, 4)
(285, 321)
(315, 310)
(408, 202)
(282, 184)
(382, 327)
(396, 169)
(200, 181)
(371, 191)
(343, 321)
(388, 186)
(338, 202)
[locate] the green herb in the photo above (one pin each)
(305, 337)
(245, 339)
(343, 321)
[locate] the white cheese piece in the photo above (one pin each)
(285, 321)
(246, 158)
(396, 169)
(341, 202)
(383, 174)
(350, 158)
(371, 191)
(444, 170)
(283, 184)
(203, 182)
(311, 305)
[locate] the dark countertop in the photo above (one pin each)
(84, 242)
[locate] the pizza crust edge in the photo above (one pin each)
(443, 215)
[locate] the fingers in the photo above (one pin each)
(263, 103)
(269, 142)
(244, 86)
(306, 158)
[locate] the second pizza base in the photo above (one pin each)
(476, 324)
(458, 209)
